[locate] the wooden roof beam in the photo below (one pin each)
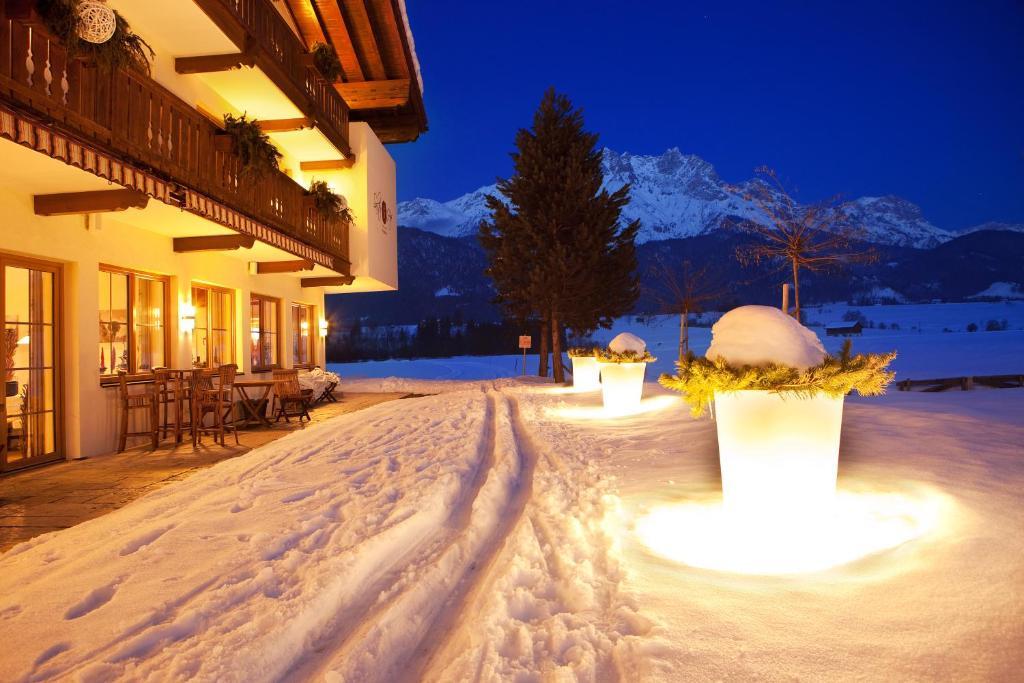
(328, 164)
(375, 94)
(337, 281)
(364, 38)
(100, 201)
(203, 64)
(308, 22)
(286, 125)
(213, 243)
(268, 267)
(337, 30)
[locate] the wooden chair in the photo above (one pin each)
(172, 390)
(292, 399)
(144, 401)
(219, 401)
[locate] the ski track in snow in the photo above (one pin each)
(479, 535)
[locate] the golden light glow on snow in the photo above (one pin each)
(600, 412)
(854, 526)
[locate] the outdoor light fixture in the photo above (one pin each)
(622, 386)
(779, 453)
(323, 327)
(188, 317)
(622, 365)
(586, 376)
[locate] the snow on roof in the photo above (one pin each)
(841, 325)
(412, 44)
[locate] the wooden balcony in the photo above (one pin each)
(133, 118)
(265, 38)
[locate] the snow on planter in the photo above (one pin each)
(762, 335)
(586, 376)
(778, 401)
(623, 365)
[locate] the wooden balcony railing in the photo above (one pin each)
(257, 24)
(142, 122)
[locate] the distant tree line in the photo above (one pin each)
(431, 338)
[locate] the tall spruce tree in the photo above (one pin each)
(556, 249)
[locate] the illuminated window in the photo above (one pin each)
(212, 338)
(303, 335)
(133, 311)
(263, 343)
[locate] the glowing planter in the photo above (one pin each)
(779, 453)
(586, 376)
(622, 386)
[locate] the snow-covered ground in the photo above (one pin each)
(489, 533)
(926, 351)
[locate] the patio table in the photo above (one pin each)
(255, 404)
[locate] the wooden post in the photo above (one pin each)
(785, 298)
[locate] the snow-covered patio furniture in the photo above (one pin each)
(322, 383)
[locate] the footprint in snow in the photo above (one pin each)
(51, 652)
(95, 599)
(298, 495)
(142, 540)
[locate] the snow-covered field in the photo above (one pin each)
(926, 351)
(489, 533)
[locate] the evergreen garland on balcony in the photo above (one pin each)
(329, 203)
(325, 59)
(125, 49)
(699, 378)
(253, 147)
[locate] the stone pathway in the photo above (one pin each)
(60, 495)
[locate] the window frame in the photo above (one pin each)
(132, 274)
(297, 333)
(194, 285)
(263, 298)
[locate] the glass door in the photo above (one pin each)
(30, 412)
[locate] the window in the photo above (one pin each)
(263, 346)
(302, 335)
(212, 338)
(132, 310)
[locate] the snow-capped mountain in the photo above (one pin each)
(678, 195)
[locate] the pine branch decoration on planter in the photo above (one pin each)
(609, 356)
(253, 147)
(582, 352)
(329, 203)
(325, 59)
(697, 379)
(125, 49)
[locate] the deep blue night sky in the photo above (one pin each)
(920, 99)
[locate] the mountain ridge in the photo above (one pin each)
(677, 195)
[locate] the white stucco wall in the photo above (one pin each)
(91, 411)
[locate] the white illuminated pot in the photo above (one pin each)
(585, 374)
(622, 386)
(779, 453)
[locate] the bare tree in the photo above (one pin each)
(684, 289)
(813, 237)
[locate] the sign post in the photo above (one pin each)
(525, 342)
